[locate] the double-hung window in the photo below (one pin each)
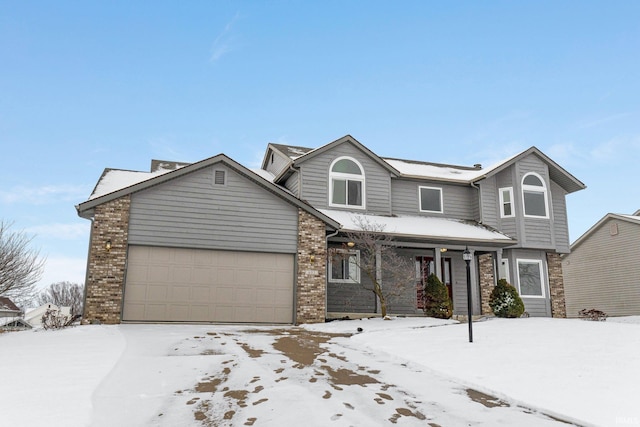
(344, 266)
(430, 199)
(530, 278)
(346, 183)
(534, 196)
(506, 202)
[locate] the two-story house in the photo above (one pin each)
(216, 242)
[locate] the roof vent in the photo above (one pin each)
(219, 177)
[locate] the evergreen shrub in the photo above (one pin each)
(436, 299)
(505, 301)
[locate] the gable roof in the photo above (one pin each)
(632, 219)
(434, 171)
(7, 305)
(116, 183)
(301, 154)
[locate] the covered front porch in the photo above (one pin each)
(426, 245)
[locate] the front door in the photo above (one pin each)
(424, 267)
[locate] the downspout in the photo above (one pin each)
(480, 220)
(86, 274)
(326, 272)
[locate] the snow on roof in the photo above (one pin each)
(116, 179)
(264, 174)
(635, 218)
(430, 170)
(440, 171)
(439, 228)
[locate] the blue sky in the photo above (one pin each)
(89, 85)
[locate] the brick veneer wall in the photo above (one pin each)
(487, 281)
(311, 284)
(556, 285)
(105, 281)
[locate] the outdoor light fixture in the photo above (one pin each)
(107, 245)
(443, 250)
(467, 257)
(351, 244)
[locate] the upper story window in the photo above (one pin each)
(346, 183)
(506, 202)
(534, 196)
(430, 199)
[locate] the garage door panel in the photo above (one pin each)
(200, 293)
(158, 273)
(173, 284)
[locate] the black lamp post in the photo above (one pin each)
(467, 257)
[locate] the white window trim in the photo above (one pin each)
(357, 270)
(349, 177)
(543, 284)
(224, 177)
(420, 199)
(536, 189)
(502, 202)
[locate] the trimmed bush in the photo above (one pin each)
(436, 299)
(505, 301)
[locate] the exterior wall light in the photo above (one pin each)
(107, 245)
(351, 244)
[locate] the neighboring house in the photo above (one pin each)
(8, 308)
(602, 271)
(34, 317)
(11, 315)
(14, 324)
(216, 242)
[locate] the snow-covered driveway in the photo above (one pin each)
(408, 371)
(229, 375)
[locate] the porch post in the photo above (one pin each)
(497, 265)
(437, 261)
(474, 283)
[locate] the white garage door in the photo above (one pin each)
(196, 285)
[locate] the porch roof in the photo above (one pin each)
(423, 228)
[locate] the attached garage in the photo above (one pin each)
(199, 285)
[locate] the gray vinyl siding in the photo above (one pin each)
(490, 202)
(279, 163)
(349, 298)
(603, 271)
(560, 223)
(192, 212)
(534, 232)
(293, 184)
(458, 200)
(459, 280)
(315, 179)
(536, 307)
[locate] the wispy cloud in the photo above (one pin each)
(587, 124)
(44, 194)
(223, 43)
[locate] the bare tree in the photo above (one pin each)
(390, 274)
(20, 266)
(63, 294)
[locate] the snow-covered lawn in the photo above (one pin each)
(407, 371)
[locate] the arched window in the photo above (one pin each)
(534, 196)
(346, 183)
